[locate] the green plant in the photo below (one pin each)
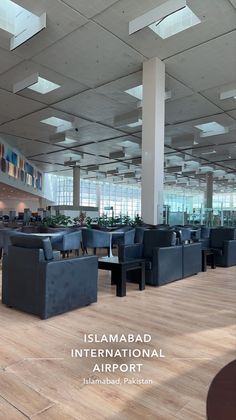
(137, 221)
(127, 220)
(88, 221)
(59, 220)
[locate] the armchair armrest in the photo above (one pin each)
(229, 250)
(133, 251)
(72, 240)
(69, 284)
(166, 264)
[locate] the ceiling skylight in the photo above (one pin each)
(67, 141)
(175, 22)
(228, 94)
(57, 122)
(137, 92)
(20, 23)
(135, 124)
(43, 86)
(211, 129)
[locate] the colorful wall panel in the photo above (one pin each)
(17, 167)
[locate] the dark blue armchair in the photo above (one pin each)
(94, 239)
(123, 237)
(163, 258)
(36, 280)
(223, 244)
(69, 241)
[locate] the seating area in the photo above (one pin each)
(39, 280)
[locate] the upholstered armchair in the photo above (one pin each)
(124, 237)
(36, 280)
(68, 241)
(223, 244)
(192, 259)
(94, 239)
(163, 257)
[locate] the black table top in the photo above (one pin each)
(116, 260)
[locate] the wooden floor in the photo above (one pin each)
(191, 320)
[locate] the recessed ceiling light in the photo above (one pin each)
(211, 129)
(43, 86)
(57, 122)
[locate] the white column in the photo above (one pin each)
(153, 140)
(76, 186)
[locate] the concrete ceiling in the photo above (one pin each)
(86, 49)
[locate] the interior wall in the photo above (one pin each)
(19, 205)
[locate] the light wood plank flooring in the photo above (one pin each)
(191, 320)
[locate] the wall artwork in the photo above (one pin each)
(17, 167)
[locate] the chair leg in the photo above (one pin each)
(67, 254)
(63, 254)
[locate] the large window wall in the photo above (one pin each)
(126, 198)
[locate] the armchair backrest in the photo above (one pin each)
(219, 235)
(183, 233)
(157, 239)
(95, 238)
(33, 242)
(139, 232)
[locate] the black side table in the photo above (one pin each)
(208, 253)
(119, 269)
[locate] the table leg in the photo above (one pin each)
(142, 277)
(114, 276)
(121, 283)
(204, 261)
(213, 262)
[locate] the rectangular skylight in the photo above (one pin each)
(57, 122)
(135, 124)
(211, 129)
(137, 92)
(67, 141)
(175, 22)
(210, 152)
(43, 86)
(20, 23)
(228, 94)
